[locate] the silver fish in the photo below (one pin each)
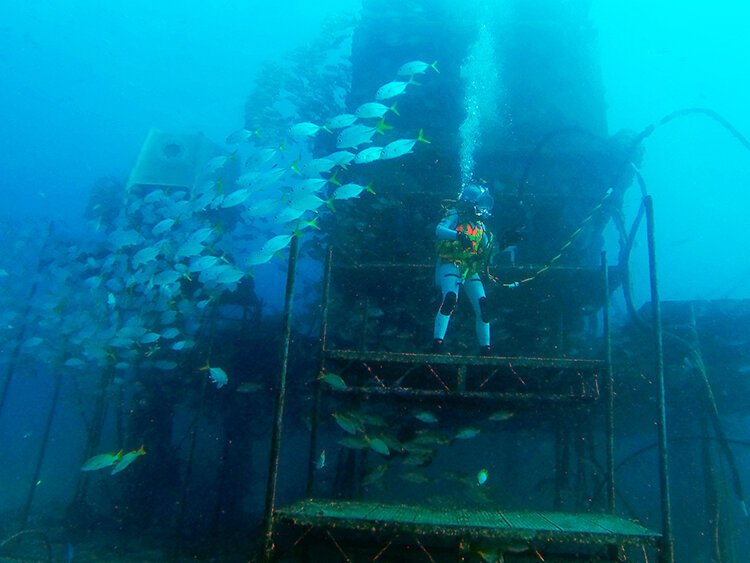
(374, 109)
(201, 235)
(145, 255)
(235, 198)
(402, 146)
(202, 263)
(218, 376)
(306, 202)
(305, 129)
(166, 277)
(392, 89)
(349, 191)
(370, 154)
(353, 136)
(229, 276)
(426, 417)
(101, 461)
(378, 445)
(276, 243)
(288, 214)
(416, 67)
(238, 136)
(162, 226)
(258, 257)
(127, 459)
(189, 248)
(341, 121)
(170, 333)
(309, 168)
(467, 433)
(341, 158)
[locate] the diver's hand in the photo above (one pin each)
(464, 241)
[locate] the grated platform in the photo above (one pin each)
(540, 526)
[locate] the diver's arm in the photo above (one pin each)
(487, 254)
(446, 229)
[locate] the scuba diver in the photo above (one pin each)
(464, 249)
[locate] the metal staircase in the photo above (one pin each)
(351, 527)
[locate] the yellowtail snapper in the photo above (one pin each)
(127, 459)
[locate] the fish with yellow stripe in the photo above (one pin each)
(102, 461)
(127, 459)
(117, 460)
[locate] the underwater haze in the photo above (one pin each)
(84, 82)
(83, 85)
(661, 57)
(210, 208)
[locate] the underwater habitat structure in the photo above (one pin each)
(331, 430)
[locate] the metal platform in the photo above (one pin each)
(528, 526)
(579, 379)
(455, 359)
(418, 376)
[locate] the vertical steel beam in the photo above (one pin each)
(608, 388)
(10, 370)
(42, 451)
(273, 468)
(666, 554)
(310, 489)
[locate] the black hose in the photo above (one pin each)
(627, 240)
(700, 368)
(633, 147)
(709, 113)
(624, 258)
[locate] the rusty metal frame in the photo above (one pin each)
(462, 378)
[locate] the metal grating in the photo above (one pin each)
(463, 522)
(451, 359)
(465, 379)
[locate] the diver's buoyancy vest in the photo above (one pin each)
(454, 251)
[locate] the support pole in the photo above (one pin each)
(310, 489)
(609, 397)
(42, 451)
(182, 509)
(561, 462)
(273, 468)
(11, 369)
(608, 389)
(666, 554)
(93, 437)
(713, 411)
(711, 492)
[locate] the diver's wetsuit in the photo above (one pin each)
(459, 265)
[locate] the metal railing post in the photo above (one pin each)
(273, 468)
(666, 554)
(609, 389)
(316, 384)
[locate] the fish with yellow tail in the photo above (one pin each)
(101, 461)
(127, 459)
(334, 381)
(393, 89)
(401, 147)
(217, 375)
(416, 67)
